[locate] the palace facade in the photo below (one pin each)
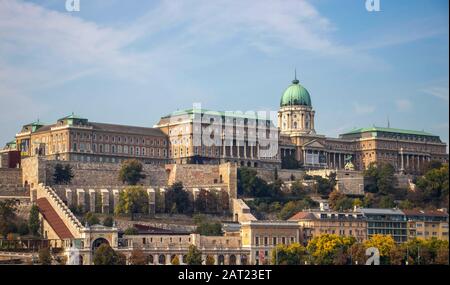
(199, 136)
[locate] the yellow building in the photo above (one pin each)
(261, 237)
(74, 138)
(427, 224)
(316, 223)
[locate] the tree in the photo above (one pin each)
(325, 248)
(250, 185)
(293, 254)
(175, 260)
(138, 257)
(194, 256)
(298, 190)
(108, 221)
(131, 231)
(210, 260)
(178, 200)
(62, 174)
(131, 172)
(384, 244)
(8, 210)
(132, 200)
(357, 253)
(209, 229)
(91, 219)
(45, 257)
(434, 186)
(289, 162)
(105, 255)
(33, 220)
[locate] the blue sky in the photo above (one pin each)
(131, 62)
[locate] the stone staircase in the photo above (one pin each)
(47, 197)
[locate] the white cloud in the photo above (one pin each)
(403, 105)
(363, 109)
(440, 92)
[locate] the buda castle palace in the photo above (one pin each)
(198, 136)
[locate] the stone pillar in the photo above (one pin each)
(340, 162)
(180, 257)
(224, 149)
(257, 150)
(204, 259)
(151, 201)
(115, 198)
(216, 259)
(168, 259)
(105, 201)
(402, 165)
(69, 198)
(251, 151)
(162, 195)
(418, 163)
(304, 157)
(407, 161)
(92, 200)
(238, 259)
(245, 149)
(81, 202)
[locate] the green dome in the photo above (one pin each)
(295, 94)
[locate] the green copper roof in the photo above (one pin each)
(73, 116)
(387, 130)
(252, 115)
(295, 94)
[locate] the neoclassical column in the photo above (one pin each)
(304, 157)
(407, 161)
(340, 162)
(245, 149)
(402, 167)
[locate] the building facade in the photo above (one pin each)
(74, 138)
(199, 136)
(316, 223)
(386, 222)
(427, 224)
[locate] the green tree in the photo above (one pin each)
(108, 221)
(131, 172)
(434, 187)
(194, 256)
(33, 220)
(91, 219)
(178, 200)
(132, 200)
(209, 229)
(131, 231)
(105, 255)
(289, 162)
(8, 210)
(250, 185)
(298, 190)
(45, 258)
(62, 174)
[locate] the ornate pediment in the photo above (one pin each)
(313, 144)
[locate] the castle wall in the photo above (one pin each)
(283, 174)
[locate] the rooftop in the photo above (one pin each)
(387, 130)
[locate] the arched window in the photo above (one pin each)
(162, 259)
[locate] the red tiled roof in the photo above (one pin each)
(302, 216)
(50, 215)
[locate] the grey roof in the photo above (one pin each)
(127, 129)
(133, 130)
(375, 211)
